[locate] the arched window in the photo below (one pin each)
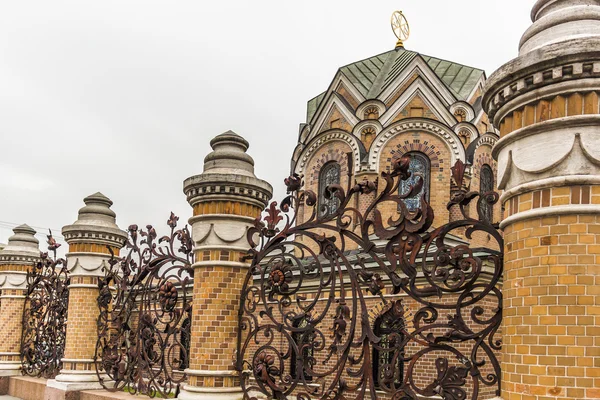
(486, 184)
(389, 327)
(419, 166)
(330, 175)
(301, 339)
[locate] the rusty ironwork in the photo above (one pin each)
(145, 303)
(316, 276)
(45, 315)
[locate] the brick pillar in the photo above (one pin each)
(21, 252)
(226, 199)
(89, 238)
(545, 104)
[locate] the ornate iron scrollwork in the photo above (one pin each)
(45, 315)
(328, 271)
(145, 304)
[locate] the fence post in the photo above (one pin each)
(21, 252)
(545, 104)
(89, 238)
(226, 199)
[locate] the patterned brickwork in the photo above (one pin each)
(10, 321)
(14, 268)
(552, 309)
(215, 321)
(81, 331)
(424, 372)
(548, 109)
(92, 248)
(227, 207)
(219, 255)
(557, 196)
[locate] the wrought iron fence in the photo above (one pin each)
(145, 303)
(346, 292)
(45, 315)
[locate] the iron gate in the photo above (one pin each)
(345, 292)
(45, 315)
(145, 303)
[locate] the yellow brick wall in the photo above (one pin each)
(552, 309)
(11, 321)
(214, 329)
(83, 315)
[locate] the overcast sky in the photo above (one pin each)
(123, 96)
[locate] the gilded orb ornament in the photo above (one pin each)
(400, 27)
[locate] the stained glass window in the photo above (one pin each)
(301, 339)
(389, 328)
(420, 167)
(486, 184)
(330, 175)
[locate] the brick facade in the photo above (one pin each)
(552, 302)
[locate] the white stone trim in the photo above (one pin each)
(420, 67)
(227, 217)
(218, 263)
(468, 108)
(443, 132)
(419, 88)
(469, 127)
(380, 105)
(327, 109)
(202, 372)
(544, 127)
(568, 180)
(551, 211)
(320, 140)
(555, 89)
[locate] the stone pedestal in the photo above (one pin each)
(89, 239)
(226, 199)
(20, 254)
(545, 104)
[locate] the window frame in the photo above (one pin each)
(322, 212)
(487, 210)
(404, 185)
(377, 330)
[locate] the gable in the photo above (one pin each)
(416, 108)
(418, 100)
(336, 120)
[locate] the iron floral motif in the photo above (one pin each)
(145, 300)
(307, 269)
(45, 315)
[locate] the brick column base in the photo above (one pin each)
(552, 309)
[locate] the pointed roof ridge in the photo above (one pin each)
(373, 75)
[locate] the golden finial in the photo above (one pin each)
(400, 27)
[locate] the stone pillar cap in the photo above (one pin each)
(556, 21)
(228, 174)
(22, 246)
(229, 155)
(95, 217)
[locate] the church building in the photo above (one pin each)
(393, 104)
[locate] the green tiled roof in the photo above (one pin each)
(373, 75)
(313, 104)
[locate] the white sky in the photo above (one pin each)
(123, 96)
